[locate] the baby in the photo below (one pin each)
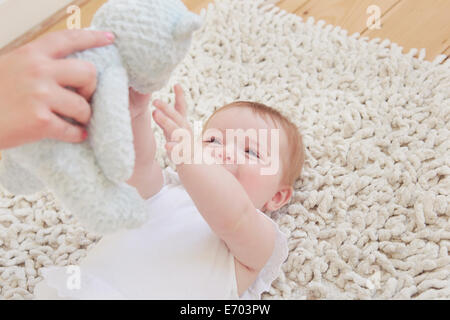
(207, 236)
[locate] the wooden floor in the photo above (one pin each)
(410, 23)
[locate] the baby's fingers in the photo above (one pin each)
(180, 102)
(170, 112)
(166, 124)
(169, 146)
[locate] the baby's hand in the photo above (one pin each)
(172, 118)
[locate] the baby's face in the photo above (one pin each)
(256, 154)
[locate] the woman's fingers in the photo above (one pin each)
(70, 104)
(62, 130)
(61, 44)
(75, 73)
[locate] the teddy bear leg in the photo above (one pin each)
(72, 174)
(16, 179)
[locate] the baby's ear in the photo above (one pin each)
(188, 23)
(280, 198)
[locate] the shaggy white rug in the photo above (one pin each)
(369, 219)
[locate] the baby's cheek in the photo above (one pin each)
(252, 180)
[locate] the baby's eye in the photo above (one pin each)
(255, 154)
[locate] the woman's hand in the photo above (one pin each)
(172, 119)
(33, 81)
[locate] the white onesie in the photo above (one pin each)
(174, 255)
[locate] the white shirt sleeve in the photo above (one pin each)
(272, 269)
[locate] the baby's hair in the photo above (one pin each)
(292, 162)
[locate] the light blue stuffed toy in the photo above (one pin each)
(89, 178)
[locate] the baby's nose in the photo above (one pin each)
(226, 154)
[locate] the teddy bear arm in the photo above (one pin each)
(111, 134)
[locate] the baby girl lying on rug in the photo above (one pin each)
(207, 236)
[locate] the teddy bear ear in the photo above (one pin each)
(189, 23)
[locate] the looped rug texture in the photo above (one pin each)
(369, 218)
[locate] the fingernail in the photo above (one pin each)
(109, 36)
(84, 134)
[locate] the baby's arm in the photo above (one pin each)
(219, 197)
(147, 175)
(226, 207)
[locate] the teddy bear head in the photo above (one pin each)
(152, 37)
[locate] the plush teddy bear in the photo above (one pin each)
(89, 178)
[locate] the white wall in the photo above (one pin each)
(19, 16)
